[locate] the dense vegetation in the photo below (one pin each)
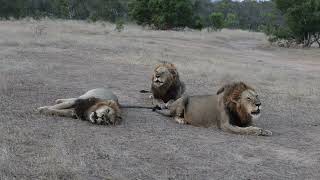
(162, 14)
(302, 22)
(109, 10)
(296, 21)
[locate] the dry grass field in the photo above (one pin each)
(41, 61)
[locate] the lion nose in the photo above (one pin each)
(157, 76)
(258, 103)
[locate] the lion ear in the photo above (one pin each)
(220, 91)
(174, 73)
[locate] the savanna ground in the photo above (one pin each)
(41, 61)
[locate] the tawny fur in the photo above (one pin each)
(98, 105)
(83, 107)
(227, 110)
(171, 89)
(232, 93)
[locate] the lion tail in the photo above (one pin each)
(145, 91)
(163, 112)
(137, 106)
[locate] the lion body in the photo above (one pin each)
(202, 111)
(166, 85)
(98, 106)
(100, 93)
(172, 93)
(225, 110)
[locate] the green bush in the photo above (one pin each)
(231, 21)
(162, 14)
(119, 25)
(198, 23)
(302, 19)
(216, 21)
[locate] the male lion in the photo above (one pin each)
(231, 109)
(99, 106)
(166, 86)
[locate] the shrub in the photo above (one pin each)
(303, 20)
(216, 21)
(162, 14)
(198, 23)
(119, 25)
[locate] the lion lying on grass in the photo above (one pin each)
(99, 106)
(231, 109)
(166, 86)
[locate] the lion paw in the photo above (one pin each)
(179, 120)
(263, 132)
(93, 117)
(160, 106)
(58, 101)
(43, 110)
(46, 110)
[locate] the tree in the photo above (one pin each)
(162, 14)
(216, 21)
(231, 21)
(303, 19)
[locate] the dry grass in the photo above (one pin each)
(45, 60)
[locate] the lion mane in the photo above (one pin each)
(231, 109)
(237, 112)
(172, 89)
(83, 107)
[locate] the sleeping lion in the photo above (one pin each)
(99, 106)
(166, 85)
(232, 109)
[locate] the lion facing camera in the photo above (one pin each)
(166, 85)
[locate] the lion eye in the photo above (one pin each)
(248, 98)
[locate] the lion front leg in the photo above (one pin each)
(251, 130)
(62, 109)
(48, 110)
(159, 103)
(58, 101)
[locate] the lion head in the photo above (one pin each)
(242, 103)
(98, 111)
(164, 75)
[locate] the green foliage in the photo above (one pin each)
(231, 21)
(302, 19)
(248, 14)
(61, 8)
(198, 23)
(216, 21)
(119, 25)
(162, 14)
(108, 10)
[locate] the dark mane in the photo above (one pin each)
(81, 106)
(175, 90)
(172, 92)
(237, 113)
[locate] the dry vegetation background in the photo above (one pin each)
(41, 61)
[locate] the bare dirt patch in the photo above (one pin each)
(46, 60)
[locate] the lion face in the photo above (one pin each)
(103, 115)
(251, 102)
(162, 77)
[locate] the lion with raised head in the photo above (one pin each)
(166, 85)
(98, 106)
(231, 109)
